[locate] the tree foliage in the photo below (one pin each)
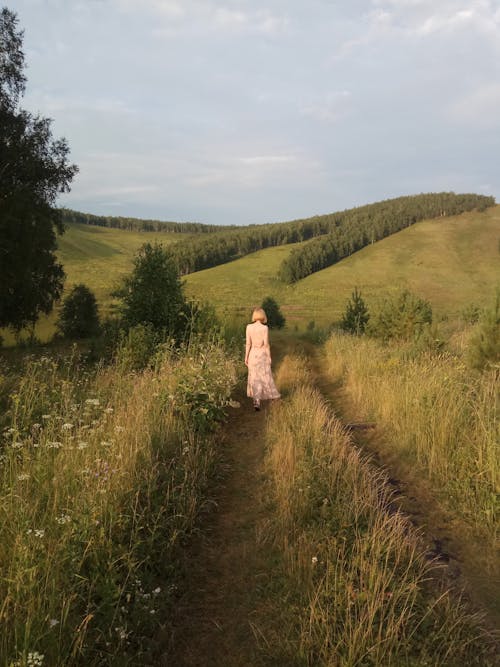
(79, 316)
(152, 294)
(275, 318)
(361, 226)
(404, 316)
(356, 314)
(484, 348)
(34, 170)
(339, 234)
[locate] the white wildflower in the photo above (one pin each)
(54, 445)
(157, 591)
(35, 659)
(23, 476)
(82, 445)
(67, 426)
(93, 401)
(39, 532)
(314, 560)
(63, 518)
(119, 429)
(17, 445)
(46, 416)
(53, 622)
(108, 410)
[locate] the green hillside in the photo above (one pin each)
(452, 262)
(100, 256)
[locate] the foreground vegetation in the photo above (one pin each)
(356, 586)
(103, 475)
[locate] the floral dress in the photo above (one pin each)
(260, 384)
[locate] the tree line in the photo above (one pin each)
(359, 227)
(339, 234)
(139, 225)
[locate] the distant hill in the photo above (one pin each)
(138, 224)
(452, 262)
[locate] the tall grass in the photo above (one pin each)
(102, 477)
(435, 412)
(360, 582)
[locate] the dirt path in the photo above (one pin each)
(464, 567)
(226, 567)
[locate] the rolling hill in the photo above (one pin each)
(452, 262)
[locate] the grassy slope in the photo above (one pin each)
(452, 262)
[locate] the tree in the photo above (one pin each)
(33, 170)
(79, 316)
(275, 318)
(404, 316)
(356, 315)
(152, 293)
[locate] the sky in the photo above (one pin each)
(245, 111)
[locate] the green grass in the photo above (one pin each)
(452, 262)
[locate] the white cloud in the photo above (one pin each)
(331, 108)
(479, 108)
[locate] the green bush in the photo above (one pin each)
(484, 349)
(275, 318)
(138, 346)
(79, 316)
(356, 315)
(404, 317)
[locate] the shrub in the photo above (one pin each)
(484, 350)
(275, 318)
(404, 317)
(356, 314)
(79, 316)
(152, 294)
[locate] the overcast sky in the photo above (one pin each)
(246, 111)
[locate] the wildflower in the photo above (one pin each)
(35, 659)
(314, 560)
(82, 445)
(108, 410)
(234, 404)
(119, 429)
(63, 518)
(54, 445)
(46, 416)
(92, 401)
(23, 476)
(36, 426)
(67, 426)
(39, 532)
(53, 622)
(17, 445)
(157, 591)
(122, 633)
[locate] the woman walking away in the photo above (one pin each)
(260, 385)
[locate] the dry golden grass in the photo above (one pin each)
(354, 564)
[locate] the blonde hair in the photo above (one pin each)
(259, 314)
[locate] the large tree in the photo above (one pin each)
(34, 170)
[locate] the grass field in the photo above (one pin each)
(452, 262)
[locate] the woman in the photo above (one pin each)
(258, 359)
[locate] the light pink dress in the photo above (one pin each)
(260, 384)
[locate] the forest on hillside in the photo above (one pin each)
(137, 224)
(333, 236)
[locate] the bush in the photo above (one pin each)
(484, 350)
(137, 348)
(79, 316)
(356, 314)
(404, 317)
(275, 318)
(152, 294)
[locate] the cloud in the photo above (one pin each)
(478, 108)
(330, 108)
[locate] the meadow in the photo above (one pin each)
(110, 469)
(453, 263)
